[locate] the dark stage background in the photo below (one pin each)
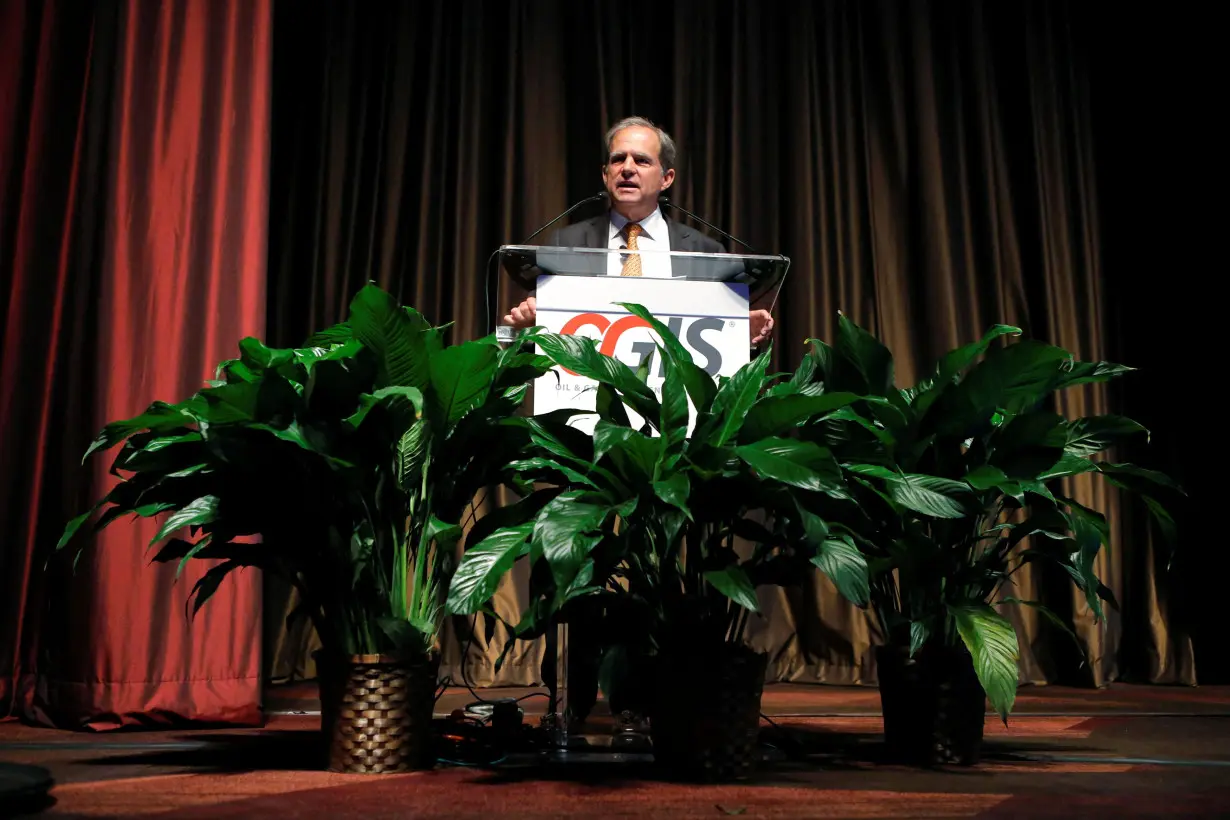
(176, 175)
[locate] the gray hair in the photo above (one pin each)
(666, 154)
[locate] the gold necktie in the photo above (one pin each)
(632, 267)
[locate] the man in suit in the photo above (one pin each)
(640, 165)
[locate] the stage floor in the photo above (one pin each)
(1123, 751)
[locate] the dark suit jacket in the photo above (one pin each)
(595, 233)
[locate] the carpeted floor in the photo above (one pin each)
(1125, 751)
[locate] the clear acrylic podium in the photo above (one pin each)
(526, 263)
(703, 298)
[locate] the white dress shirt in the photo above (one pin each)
(654, 237)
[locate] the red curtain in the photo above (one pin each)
(133, 187)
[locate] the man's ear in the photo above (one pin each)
(667, 179)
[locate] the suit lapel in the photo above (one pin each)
(597, 231)
(678, 235)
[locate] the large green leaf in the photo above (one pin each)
(515, 366)
(1049, 523)
(204, 510)
(872, 359)
(815, 528)
(1030, 430)
(389, 332)
(1010, 377)
(985, 477)
(168, 452)
(580, 355)
(543, 468)
(1077, 373)
(482, 566)
(334, 335)
(1090, 531)
(675, 491)
(1094, 434)
(699, 384)
(919, 633)
(159, 416)
(403, 403)
(1069, 464)
(208, 584)
(412, 451)
(992, 643)
(566, 531)
(801, 464)
(953, 363)
(1138, 479)
(733, 582)
(70, 530)
(461, 377)
(610, 407)
(801, 381)
(635, 454)
(408, 635)
(569, 445)
(777, 415)
(1143, 482)
(733, 401)
(930, 495)
(257, 356)
(523, 511)
(844, 564)
(674, 427)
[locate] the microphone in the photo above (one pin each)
(502, 333)
(585, 201)
(663, 200)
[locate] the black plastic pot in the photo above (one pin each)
(705, 723)
(934, 705)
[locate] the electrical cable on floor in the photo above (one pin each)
(447, 762)
(790, 746)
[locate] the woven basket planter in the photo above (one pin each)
(376, 713)
(705, 724)
(934, 706)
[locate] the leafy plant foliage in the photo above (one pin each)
(959, 481)
(345, 466)
(644, 515)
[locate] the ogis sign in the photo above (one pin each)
(710, 319)
(706, 353)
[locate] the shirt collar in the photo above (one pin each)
(654, 225)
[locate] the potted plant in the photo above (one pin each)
(956, 484)
(344, 467)
(641, 519)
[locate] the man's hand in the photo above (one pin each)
(762, 326)
(523, 315)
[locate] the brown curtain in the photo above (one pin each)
(931, 169)
(133, 193)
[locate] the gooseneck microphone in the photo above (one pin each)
(733, 238)
(585, 201)
(491, 267)
(663, 200)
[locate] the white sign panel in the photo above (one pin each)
(710, 319)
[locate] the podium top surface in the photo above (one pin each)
(525, 263)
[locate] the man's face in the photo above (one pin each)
(633, 173)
